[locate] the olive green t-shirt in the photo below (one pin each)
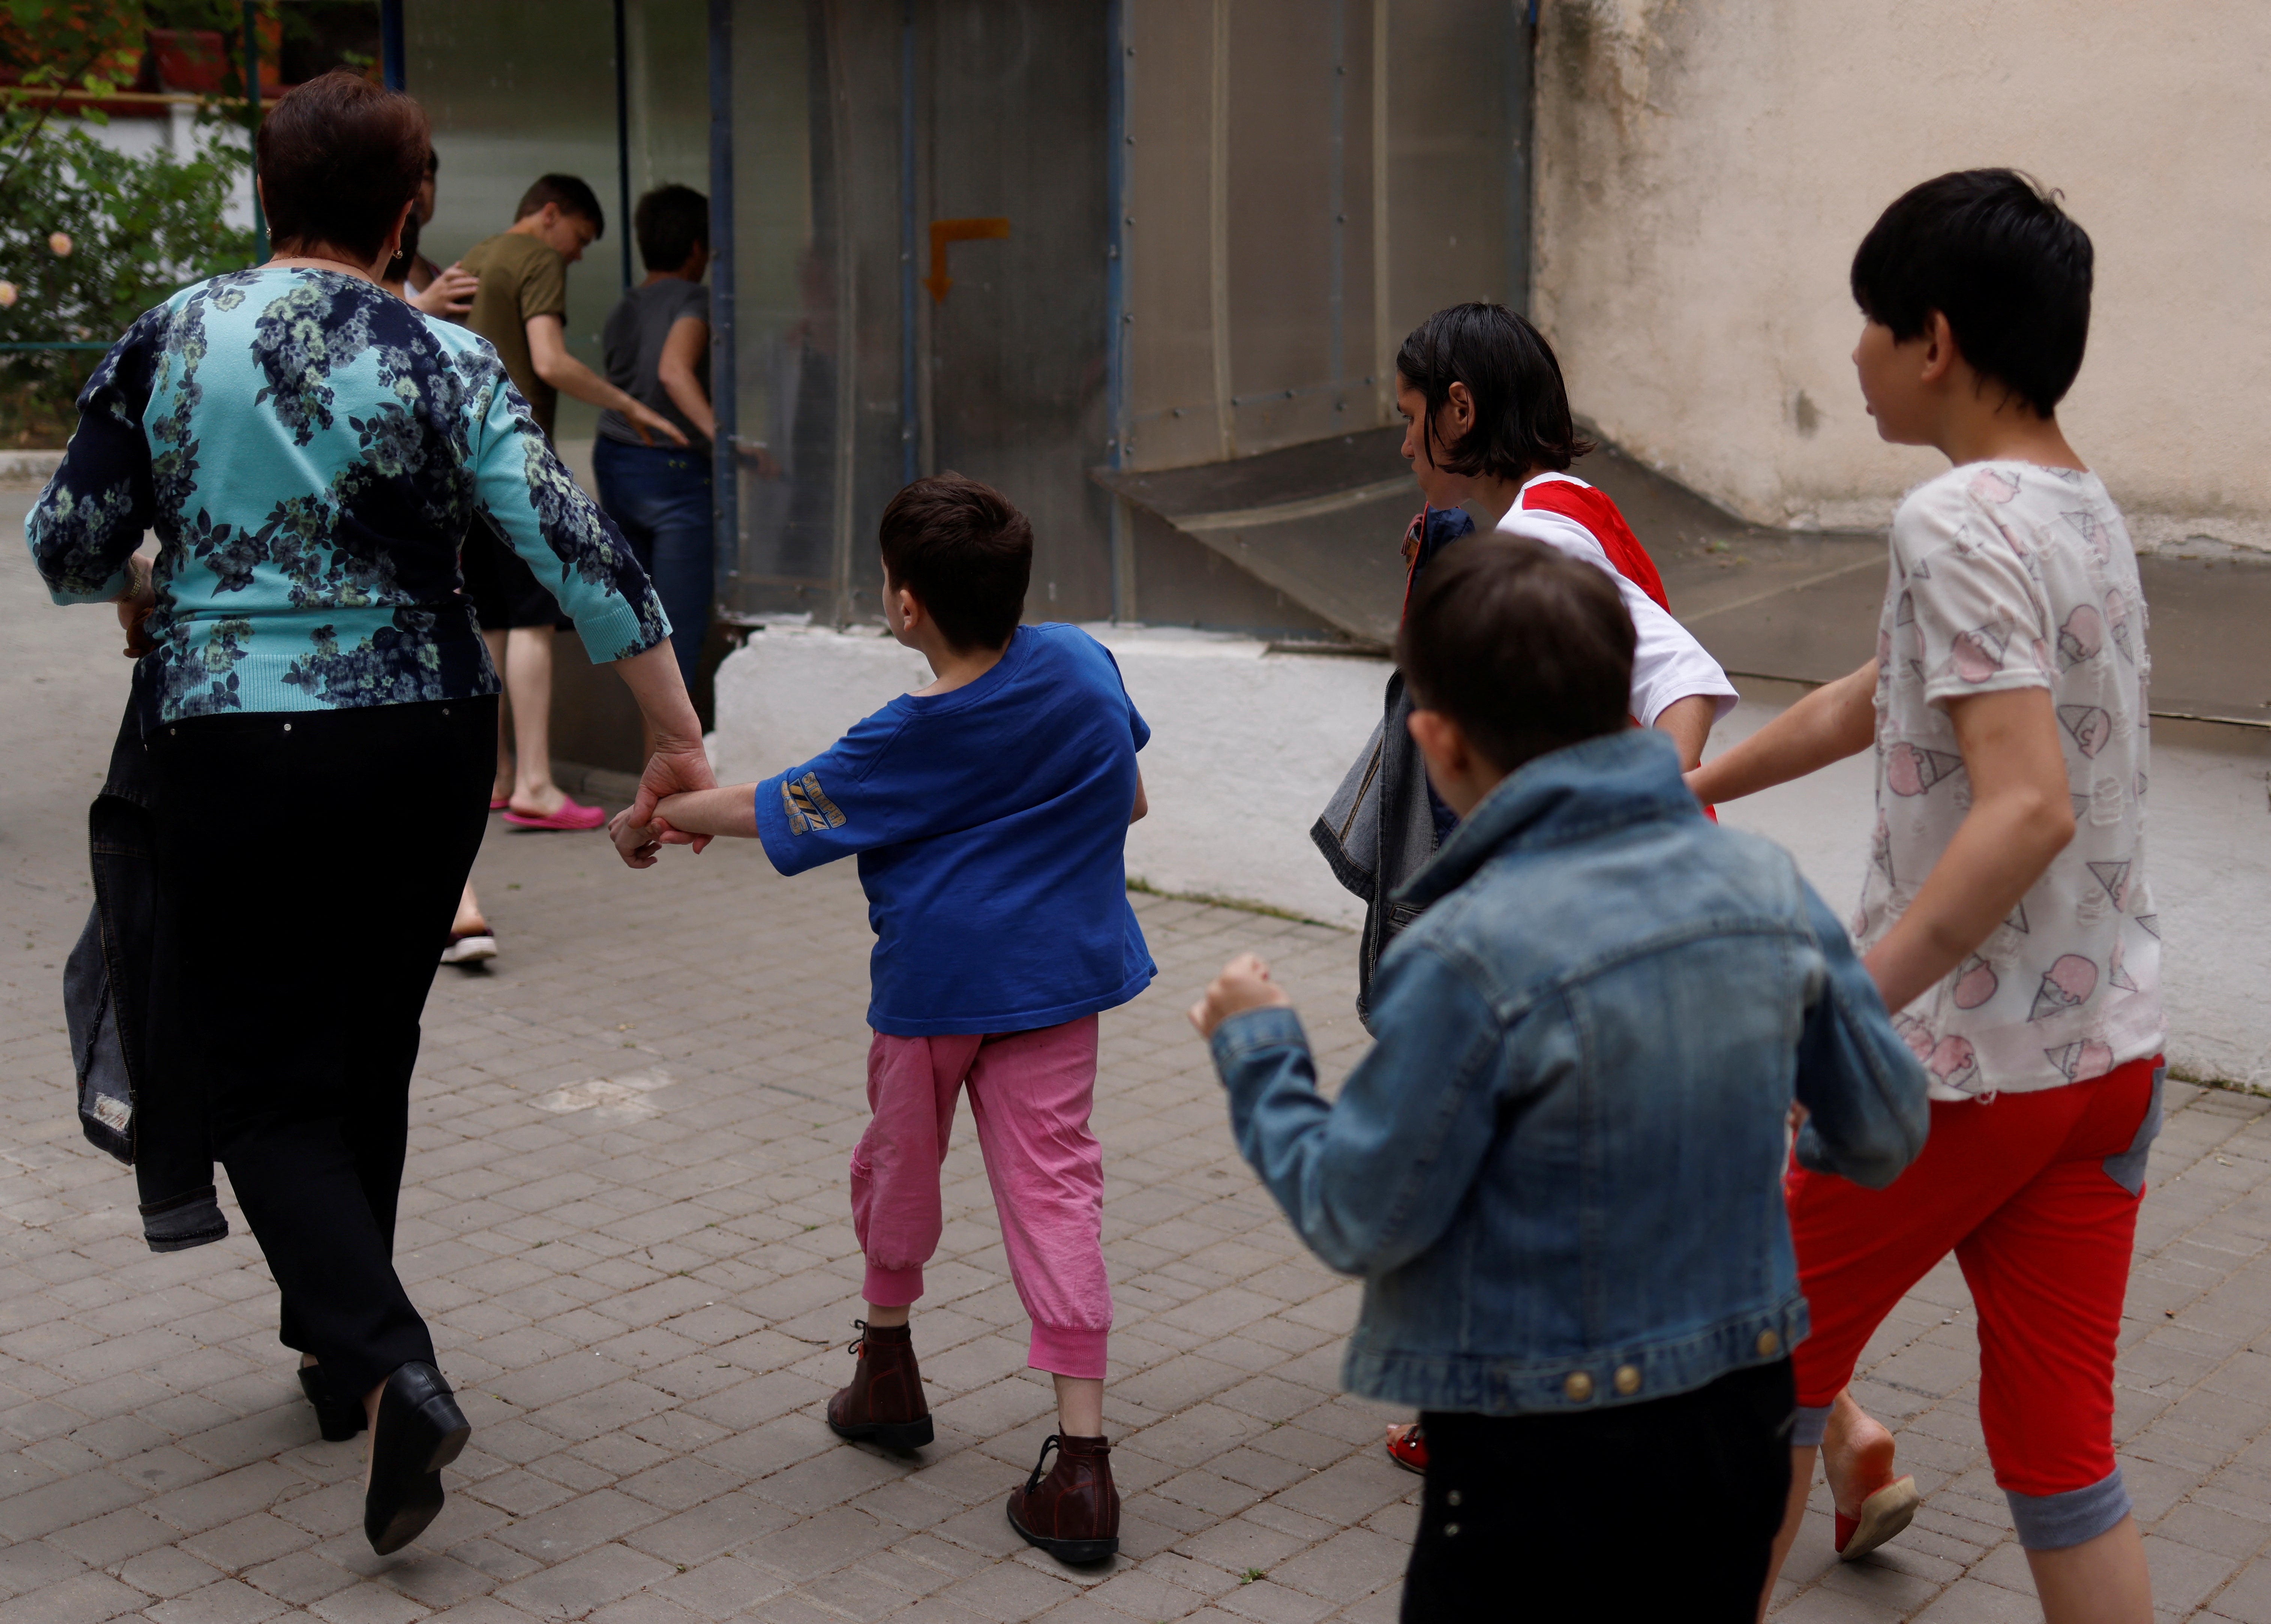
(520, 277)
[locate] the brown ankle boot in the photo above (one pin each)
(884, 1404)
(1074, 1512)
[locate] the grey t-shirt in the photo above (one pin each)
(632, 341)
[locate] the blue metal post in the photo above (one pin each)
(1338, 200)
(724, 400)
(624, 140)
(909, 357)
(1522, 116)
(1117, 315)
(391, 50)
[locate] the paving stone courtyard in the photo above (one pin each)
(625, 1217)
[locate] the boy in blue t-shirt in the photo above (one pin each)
(989, 812)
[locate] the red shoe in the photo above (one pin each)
(1883, 1515)
(1407, 1447)
(572, 814)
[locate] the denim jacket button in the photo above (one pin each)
(1769, 1344)
(1628, 1380)
(1578, 1386)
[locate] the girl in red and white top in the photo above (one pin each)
(1488, 428)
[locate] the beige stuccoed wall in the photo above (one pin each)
(1705, 167)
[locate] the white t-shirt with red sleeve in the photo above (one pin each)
(2008, 574)
(1572, 517)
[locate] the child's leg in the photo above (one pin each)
(1031, 1093)
(503, 788)
(1514, 1504)
(1860, 1250)
(2049, 1272)
(912, 1084)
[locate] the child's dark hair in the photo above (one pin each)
(966, 554)
(1526, 650)
(1991, 250)
(1522, 424)
(670, 223)
(573, 196)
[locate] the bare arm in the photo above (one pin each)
(1142, 802)
(729, 810)
(547, 352)
(1689, 721)
(1834, 721)
(681, 352)
(449, 294)
(2021, 818)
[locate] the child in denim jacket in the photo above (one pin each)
(1559, 1169)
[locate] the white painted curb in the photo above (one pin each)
(27, 470)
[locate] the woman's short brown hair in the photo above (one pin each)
(339, 158)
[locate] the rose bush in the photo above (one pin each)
(132, 230)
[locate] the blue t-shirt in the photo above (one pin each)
(991, 825)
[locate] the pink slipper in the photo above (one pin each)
(498, 803)
(570, 815)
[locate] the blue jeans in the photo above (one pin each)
(660, 497)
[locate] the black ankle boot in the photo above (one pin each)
(338, 1419)
(419, 1431)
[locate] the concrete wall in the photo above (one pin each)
(1706, 168)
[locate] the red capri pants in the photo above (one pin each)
(2036, 1194)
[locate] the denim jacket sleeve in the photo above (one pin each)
(1372, 1180)
(1863, 1090)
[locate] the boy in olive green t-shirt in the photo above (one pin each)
(522, 305)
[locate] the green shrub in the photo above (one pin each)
(139, 228)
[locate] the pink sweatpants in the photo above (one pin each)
(1029, 1092)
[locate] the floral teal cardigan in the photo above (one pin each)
(311, 451)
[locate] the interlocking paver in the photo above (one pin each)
(644, 1295)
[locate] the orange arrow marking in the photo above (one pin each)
(945, 231)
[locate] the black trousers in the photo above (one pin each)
(1648, 1511)
(307, 866)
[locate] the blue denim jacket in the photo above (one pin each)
(1559, 1169)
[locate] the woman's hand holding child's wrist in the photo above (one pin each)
(1243, 984)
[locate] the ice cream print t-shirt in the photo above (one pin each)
(2008, 574)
